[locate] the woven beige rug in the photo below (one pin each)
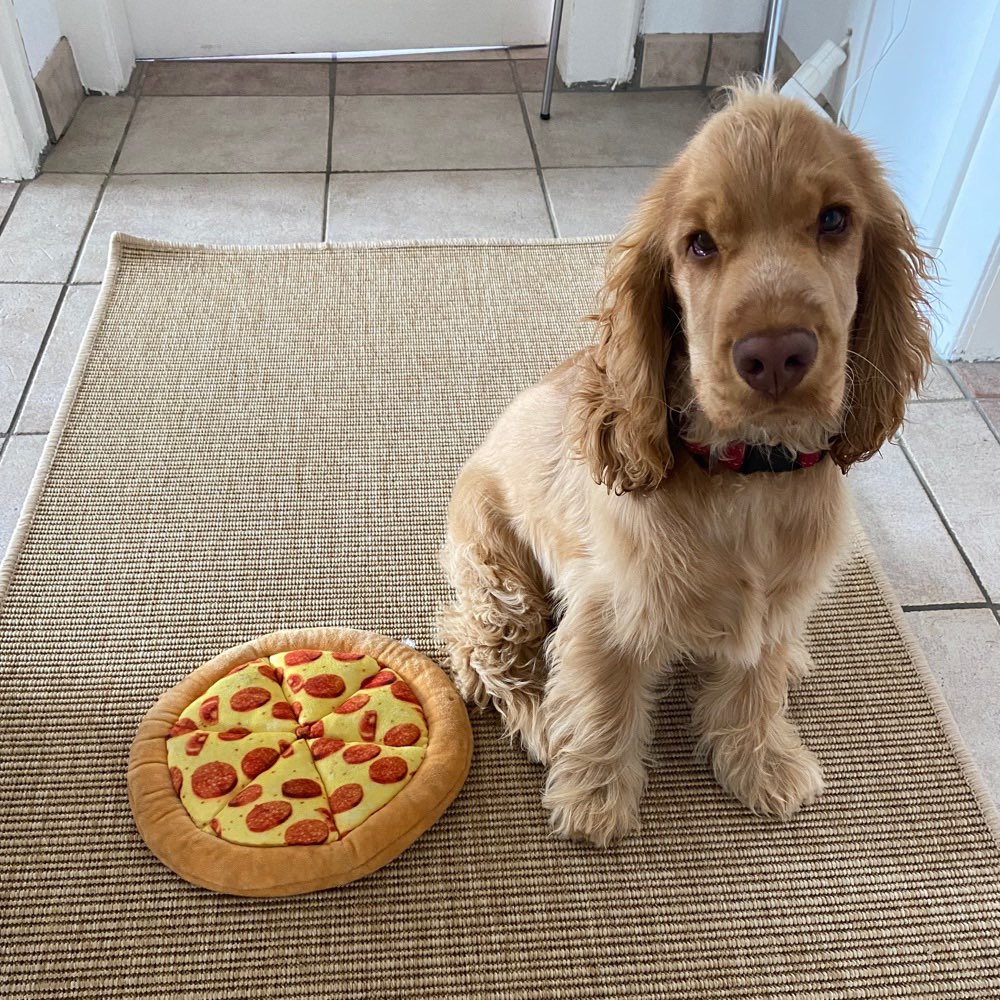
(266, 439)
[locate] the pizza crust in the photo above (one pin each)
(204, 860)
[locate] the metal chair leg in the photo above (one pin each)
(550, 65)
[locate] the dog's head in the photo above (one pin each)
(769, 290)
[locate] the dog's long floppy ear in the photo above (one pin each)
(618, 411)
(890, 345)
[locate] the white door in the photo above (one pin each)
(186, 28)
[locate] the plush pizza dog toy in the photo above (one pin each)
(300, 761)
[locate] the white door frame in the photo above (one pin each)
(99, 34)
(23, 135)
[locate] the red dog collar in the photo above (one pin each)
(747, 458)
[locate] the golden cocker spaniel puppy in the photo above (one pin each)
(675, 492)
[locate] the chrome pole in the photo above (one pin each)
(550, 65)
(775, 12)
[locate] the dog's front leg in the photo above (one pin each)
(598, 709)
(755, 751)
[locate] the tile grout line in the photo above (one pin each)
(19, 187)
(914, 465)
(546, 197)
(971, 397)
(951, 606)
(329, 149)
(57, 309)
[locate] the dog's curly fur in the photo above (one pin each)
(588, 552)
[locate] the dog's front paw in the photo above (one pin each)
(776, 777)
(597, 808)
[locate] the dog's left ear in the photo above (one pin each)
(890, 342)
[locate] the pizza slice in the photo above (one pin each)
(388, 713)
(317, 681)
(206, 768)
(286, 804)
(360, 778)
(248, 698)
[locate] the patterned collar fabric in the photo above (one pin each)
(737, 456)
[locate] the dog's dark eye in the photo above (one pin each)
(702, 245)
(832, 220)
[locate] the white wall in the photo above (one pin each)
(40, 31)
(696, 16)
(257, 27)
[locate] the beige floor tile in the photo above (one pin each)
(912, 544)
(436, 132)
(939, 385)
(208, 208)
(90, 143)
(963, 651)
(237, 79)
(960, 458)
(674, 60)
(220, 134)
(437, 205)
(25, 311)
(595, 201)
(7, 192)
(44, 231)
(982, 377)
(447, 77)
(53, 372)
(991, 407)
(17, 469)
(529, 52)
(615, 129)
(531, 75)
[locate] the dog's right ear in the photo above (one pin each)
(619, 410)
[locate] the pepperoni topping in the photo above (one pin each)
(358, 753)
(301, 788)
(182, 726)
(216, 827)
(209, 710)
(284, 746)
(348, 657)
(214, 779)
(249, 794)
(236, 733)
(366, 728)
(353, 704)
(380, 679)
(295, 682)
(403, 735)
(307, 831)
(324, 747)
(282, 710)
(236, 670)
(345, 797)
(268, 815)
(303, 730)
(195, 744)
(325, 686)
(388, 770)
(269, 672)
(247, 699)
(257, 761)
(402, 691)
(296, 708)
(297, 656)
(316, 729)
(176, 779)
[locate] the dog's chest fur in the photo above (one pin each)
(727, 563)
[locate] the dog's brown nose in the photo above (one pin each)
(773, 363)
